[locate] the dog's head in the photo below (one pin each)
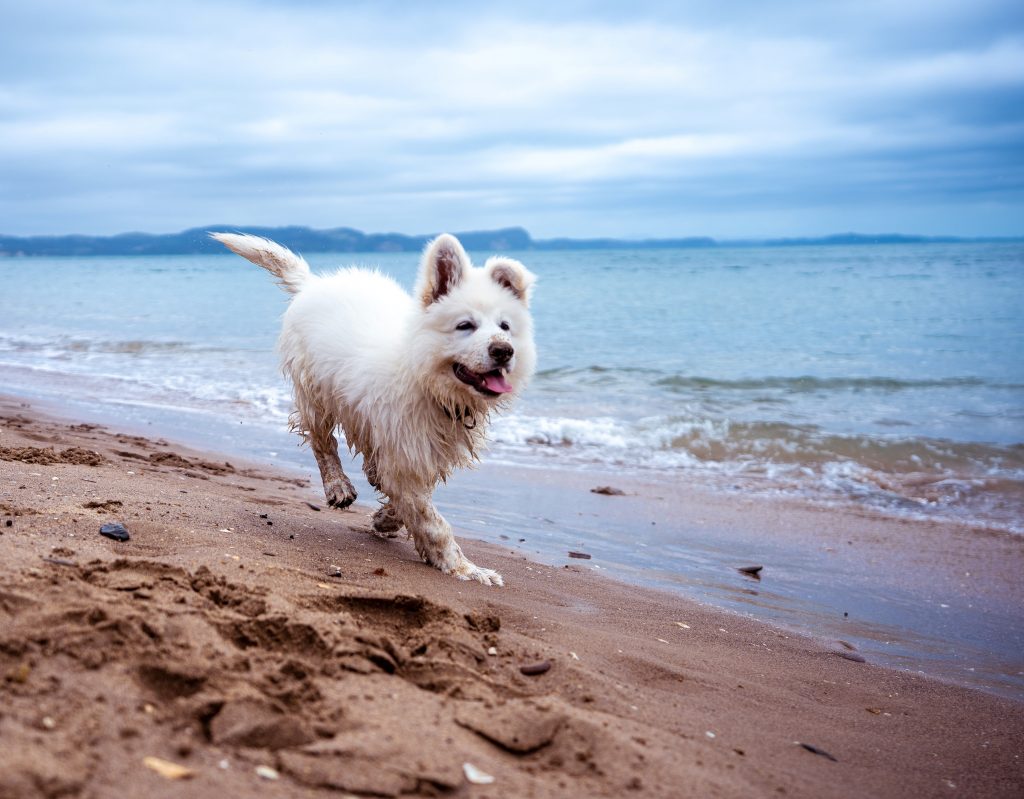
(474, 339)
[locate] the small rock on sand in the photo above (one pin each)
(535, 669)
(751, 571)
(115, 531)
(580, 555)
(608, 491)
(475, 775)
(167, 769)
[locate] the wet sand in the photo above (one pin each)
(263, 645)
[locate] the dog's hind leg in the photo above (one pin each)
(386, 521)
(435, 543)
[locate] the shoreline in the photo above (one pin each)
(925, 595)
(218, 634)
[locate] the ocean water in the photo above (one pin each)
(886, 376)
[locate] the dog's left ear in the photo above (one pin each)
(444, 266)
(512, 275)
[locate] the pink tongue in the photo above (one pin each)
(497, 383)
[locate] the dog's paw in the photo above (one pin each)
(339, 492)
(386, 522)
(470, 571)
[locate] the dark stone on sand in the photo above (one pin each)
(536, 669)
(580, 555)
(608, 491)
(9, 523)
(314, 507)
(821, 752)
(751, 571)
(854, 656)
(115, 531)
(334, 571)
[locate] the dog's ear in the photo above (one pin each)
(512, 275)
(444, 266)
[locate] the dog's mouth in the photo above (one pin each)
(490, 384)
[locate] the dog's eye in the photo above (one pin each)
(466, 325)
(504, 326)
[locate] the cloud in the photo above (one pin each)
(573, 118)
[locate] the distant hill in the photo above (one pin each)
(343, 239)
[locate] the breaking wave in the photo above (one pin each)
(965, 481)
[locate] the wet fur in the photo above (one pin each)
(365, 356)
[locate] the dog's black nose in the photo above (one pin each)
(501, 352)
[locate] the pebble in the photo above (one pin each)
(535, 669)
(493, 650)
(267, 773)
(580, 555)
(608, 491)
(115, 531)
(333, 571)
(751, 571)
(475, 775)
(314, 507)
(167, 769)
(854, 656)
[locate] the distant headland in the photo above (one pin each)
(343, 239)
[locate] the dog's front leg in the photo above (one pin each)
(338, 488)
(434, 540)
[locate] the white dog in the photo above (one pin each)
(410, 380)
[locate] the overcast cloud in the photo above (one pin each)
(583, 119)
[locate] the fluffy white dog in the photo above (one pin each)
(410, 380)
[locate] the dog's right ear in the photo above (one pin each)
(443, 267)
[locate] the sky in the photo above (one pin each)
(745, 119)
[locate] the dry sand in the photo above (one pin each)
(243, 643)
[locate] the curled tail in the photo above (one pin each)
(290, 269)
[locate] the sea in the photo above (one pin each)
(886, 378)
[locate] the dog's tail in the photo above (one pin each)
(290, 269)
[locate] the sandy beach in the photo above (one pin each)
(247, 640)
